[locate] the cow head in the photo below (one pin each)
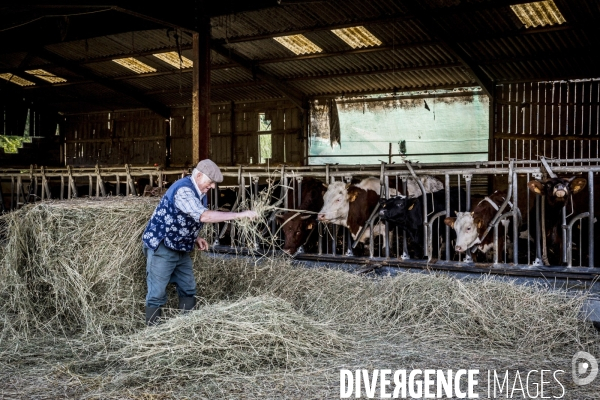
(467, 227)
(395, 209)
(336, 203)
(296, 229)
(557, 190)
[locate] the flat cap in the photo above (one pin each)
(210, 169)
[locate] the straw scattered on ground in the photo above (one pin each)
(72, 287)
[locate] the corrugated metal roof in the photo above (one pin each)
(412, 55)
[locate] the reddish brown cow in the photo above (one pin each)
(470, 226)
(297, 227)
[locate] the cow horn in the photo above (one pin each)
(326, 185)
(347, 185)
(279, 214)
(472, 213)
(305, 216)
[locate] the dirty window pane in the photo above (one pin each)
(265, 148)
(444, 128)
(264, 124)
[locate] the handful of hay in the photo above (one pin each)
(253, 233)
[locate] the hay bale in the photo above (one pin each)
(74, 266)
(256, 333)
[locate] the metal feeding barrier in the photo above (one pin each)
(334, 242)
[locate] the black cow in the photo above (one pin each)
(407, 214)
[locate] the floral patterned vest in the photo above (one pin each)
(177, 229)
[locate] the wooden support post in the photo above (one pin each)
(201, 91)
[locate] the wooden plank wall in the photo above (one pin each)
(139, 137)
(286, 125)
(551, 119)
(128, 137)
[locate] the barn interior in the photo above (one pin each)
(483, 94)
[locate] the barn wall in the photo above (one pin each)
(240, 135)
(142, 137)
(117, 138)
(551, 119)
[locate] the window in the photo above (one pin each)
(265, 140)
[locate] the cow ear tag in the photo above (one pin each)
(411, 207)
(352, 197)
(310, 226)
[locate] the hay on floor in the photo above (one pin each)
(72, 277)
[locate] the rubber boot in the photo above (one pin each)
(153, 315)
(186, 304)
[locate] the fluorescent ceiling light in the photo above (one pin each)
(172, 58)
(135, 65)
(357, 36)
(45, 75)
(540, 13)
(298, 44)
(16, 80)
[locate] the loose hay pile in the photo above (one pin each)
(72, 288)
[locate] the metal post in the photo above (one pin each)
(496, 242)
(447, 187)
(333, 240)
(468, 178)
(320, 232)
(387, 228)
(299, 188)
(405, 255)
(515, 221)
(90, 186)
(591, 218)
(118, 189)
(564, 235)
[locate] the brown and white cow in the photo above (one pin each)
(351, 206)
(296, 226)
(470, 226)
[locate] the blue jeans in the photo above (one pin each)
(164, 266)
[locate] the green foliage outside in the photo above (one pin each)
(12, 144)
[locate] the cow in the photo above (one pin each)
(407, 214)
(470, 226)
(351, 206)
(298, 227)
(559, 193)
(430, 183)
